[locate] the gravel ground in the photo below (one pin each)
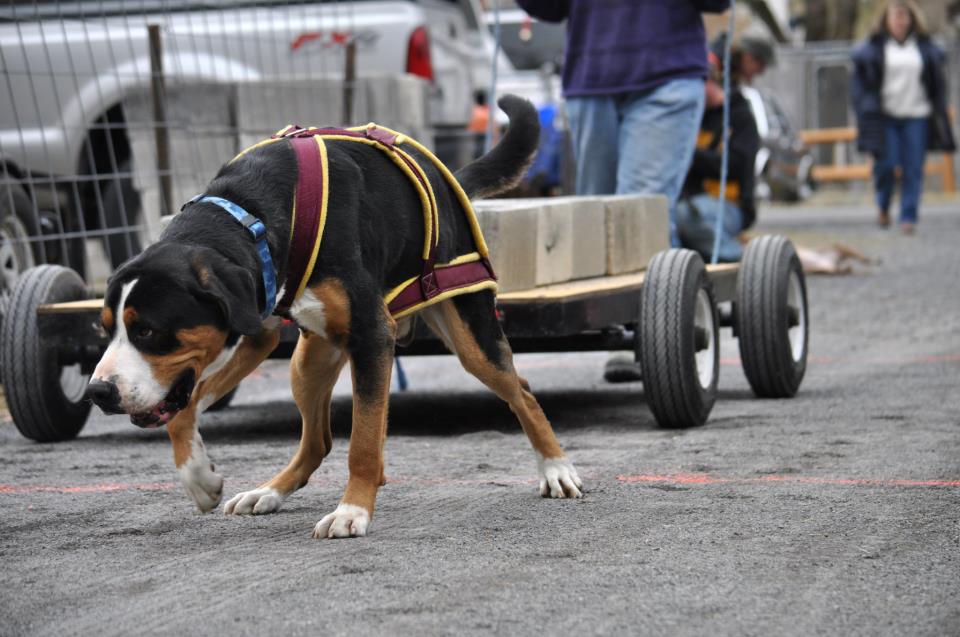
(835, 512)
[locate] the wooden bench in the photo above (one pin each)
(941, 165)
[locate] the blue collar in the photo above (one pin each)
(259, 232)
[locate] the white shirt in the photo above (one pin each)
(903, 92)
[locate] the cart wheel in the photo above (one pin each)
(679, 339)
(771, 317)
(224, 401)
(45, 397)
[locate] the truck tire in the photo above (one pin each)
(17, 224)
(771, 317)
(45, 397)
(121, 210)
(679, 344)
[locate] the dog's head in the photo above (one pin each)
(172, 313)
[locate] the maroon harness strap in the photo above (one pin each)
(433, 279)
(306, 221)
(447, 277)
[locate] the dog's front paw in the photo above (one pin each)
(202, 483)
(348, 520)
(256, 502)
(559, 479)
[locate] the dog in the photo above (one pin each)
(186, 318)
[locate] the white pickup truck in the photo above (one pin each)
(68, 67)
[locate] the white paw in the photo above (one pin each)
(202, 484)
(558, 478)
(256, 502)
(348, 520)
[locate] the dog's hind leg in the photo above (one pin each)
(314, 369)
(202, 483)
(468, 326)
(371, 345)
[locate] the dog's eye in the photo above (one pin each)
(144, 332)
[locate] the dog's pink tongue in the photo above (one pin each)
(163, 416)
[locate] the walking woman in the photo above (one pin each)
(900, 99)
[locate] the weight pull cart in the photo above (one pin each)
(670, 315)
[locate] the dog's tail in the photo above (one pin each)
(502, 168)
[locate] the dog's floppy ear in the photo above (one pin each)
(233, 289)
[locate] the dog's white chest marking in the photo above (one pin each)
(221, 360)
(308, 311)
(123, 365)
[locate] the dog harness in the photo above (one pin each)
(466, 273)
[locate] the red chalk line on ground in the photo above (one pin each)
(434, 481)
(704, 478)
(110, 487)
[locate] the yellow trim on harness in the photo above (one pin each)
(457, 188)
(476, 287)
(259, 144)
(466, 258)
(428, 201)
(324, 199)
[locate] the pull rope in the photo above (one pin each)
(725, 151)
(492, 93)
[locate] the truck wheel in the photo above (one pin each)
(17, 224)
(121, 210)
(44, 396)
(679, 339)
(771, 317)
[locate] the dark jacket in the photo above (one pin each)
(867, 87)
(704, 173)
(620, 46)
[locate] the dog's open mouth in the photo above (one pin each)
(176, 399)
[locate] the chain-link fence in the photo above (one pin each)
(114, 112)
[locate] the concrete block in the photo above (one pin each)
(510, 233)
(554, 243)
(588, 234)
(637, 227)
(549, 239)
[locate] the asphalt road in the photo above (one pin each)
(835, 512)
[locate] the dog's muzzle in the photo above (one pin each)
(104, 395)
(176, 399)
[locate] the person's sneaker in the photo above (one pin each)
(883, 219)
(907, 228)
(621, 368)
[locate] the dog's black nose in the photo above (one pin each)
(104, 395)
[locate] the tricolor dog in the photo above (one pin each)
(351, 234)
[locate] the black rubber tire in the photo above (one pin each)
(224, 401)
(121, 209)
(40, 409)
(18, 221)
(763, 317)
(669, 341)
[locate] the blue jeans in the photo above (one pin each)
(639, 142)
(697, 221)
(905, 143)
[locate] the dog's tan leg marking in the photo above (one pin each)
(197, 474)
(365, 460)
(314, 370)
(558, 478)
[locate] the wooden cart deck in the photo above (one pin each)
(581, 315)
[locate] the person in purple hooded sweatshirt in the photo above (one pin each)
(633, 81)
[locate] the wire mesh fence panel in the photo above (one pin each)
(114, 112)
